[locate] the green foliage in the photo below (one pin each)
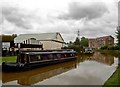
(118, 35)
(104, 48)
(73, 46)
(84, 42)
(14, 35)
(77, 41)
(110, 48)
(77, 45)
(8, 59)
(116, 48)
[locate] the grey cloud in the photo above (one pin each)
(96, 31)
(119, 13)
(1, 20)
(90, 11)
(17, 17)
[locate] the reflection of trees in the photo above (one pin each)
(97, 56)
(82, 57)
(104, 58)
(114, 53)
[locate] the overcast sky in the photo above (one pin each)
(93, 18)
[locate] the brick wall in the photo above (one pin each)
(101, 41)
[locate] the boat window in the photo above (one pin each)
(58, 56)
(44, 57)
(54, 56)
(27, 59)
(35, 58)
(39, 57)
(18, 58)
(62, 55)
(68, 55)
(50, 56)
(22, 58)
(71, 54)
(65, 55)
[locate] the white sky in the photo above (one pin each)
(93, 18)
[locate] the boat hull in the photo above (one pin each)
(12, 67)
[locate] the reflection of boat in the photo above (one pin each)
(39, 74)
(30, 60)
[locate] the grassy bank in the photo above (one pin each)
(8, 59)
(114, 79)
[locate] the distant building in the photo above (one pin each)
(6, 44)
(7, 41)
(101, 41)
(48, 40)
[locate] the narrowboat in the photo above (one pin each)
(88, 51)
(28, 60)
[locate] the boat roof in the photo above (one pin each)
(54, 52)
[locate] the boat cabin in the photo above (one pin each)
(30, 57)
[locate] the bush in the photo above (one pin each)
(110, 48)
(116, 48)
(74, 47)
(104, 48)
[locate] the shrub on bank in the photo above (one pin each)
(8, 59)
(116, 48)
(77, 48)
(110, 48)
(104, 48)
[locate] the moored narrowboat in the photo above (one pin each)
(88, 51)
(29, 60)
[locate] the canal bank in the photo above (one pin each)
(8, 59)
(114, 79)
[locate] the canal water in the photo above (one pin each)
(92, 69)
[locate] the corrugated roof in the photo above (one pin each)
(38, 36)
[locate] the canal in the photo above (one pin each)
(92, 69)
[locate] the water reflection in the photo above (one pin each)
(80, 72)
(103, 58)
(36, 75)
(97, 56)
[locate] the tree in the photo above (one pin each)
(77, 41)
(14, 35)
(84, 42)
(118, 35)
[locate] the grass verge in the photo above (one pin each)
(114, 80)
(8, 59)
